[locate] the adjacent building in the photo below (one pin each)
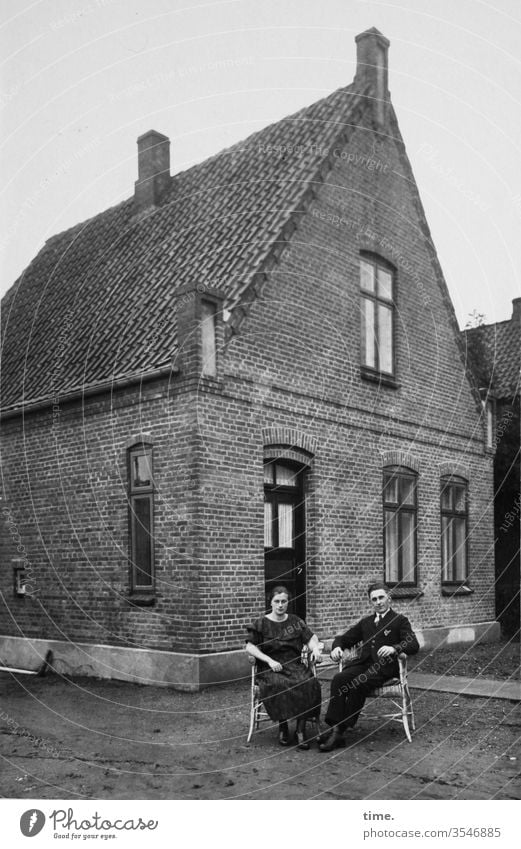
(494, 353)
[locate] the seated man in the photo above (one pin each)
(383, 635)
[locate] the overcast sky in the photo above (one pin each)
(83, 78)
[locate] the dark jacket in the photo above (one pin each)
(393, 630)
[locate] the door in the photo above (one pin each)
(284, 545)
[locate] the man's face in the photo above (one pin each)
(380, 601)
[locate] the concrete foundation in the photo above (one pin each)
(187, 672)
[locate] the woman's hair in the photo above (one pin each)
(276, 590)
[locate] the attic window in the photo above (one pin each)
(377, 317)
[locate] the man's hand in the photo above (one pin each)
(316, 655)
(275, 666)
(336, 654)
(386, 651)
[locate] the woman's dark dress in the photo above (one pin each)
(293, 693)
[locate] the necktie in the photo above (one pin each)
(377, 618)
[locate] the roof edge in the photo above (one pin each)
(87, 391)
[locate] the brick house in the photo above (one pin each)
(247, 373)
(494, 353)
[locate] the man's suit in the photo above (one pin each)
(350, 687)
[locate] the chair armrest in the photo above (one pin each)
(402, 666)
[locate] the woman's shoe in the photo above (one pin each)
(302, 743)
(283, 734)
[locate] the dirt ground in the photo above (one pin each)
(65, 739)
(487, 660)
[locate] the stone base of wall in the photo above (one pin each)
(187, 672)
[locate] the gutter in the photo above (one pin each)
(88, 391)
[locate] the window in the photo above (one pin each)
(454, 515)
(141, 518)
(208, 355)
(400, 522)
(281, 485)
(19, 579)
(377, 312)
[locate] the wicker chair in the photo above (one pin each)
(258, 712)
(395, 690)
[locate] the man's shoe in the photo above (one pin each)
(325, 735)
(335, 741)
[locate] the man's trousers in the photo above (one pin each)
(350, 688)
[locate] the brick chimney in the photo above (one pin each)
(372, 70)
(153, 170)
(516, 310)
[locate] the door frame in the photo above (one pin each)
(295, 495)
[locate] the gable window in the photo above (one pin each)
(377, 314)
(400, 525)
(141, 518)
(208, 343)
(454, 518)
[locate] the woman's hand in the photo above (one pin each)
(336, 654)
(316, 655)
(275, 666)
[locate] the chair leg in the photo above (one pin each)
(405, 720)
(254, 718)
(411, 711)
(407, 712)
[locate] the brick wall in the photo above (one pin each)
(65, 494)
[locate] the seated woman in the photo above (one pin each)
(287, 688)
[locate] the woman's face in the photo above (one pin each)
(279, 604)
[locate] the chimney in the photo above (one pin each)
(372, 69)
(516, 311)
(153, 170)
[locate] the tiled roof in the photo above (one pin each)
(98, 302)
(494, 355)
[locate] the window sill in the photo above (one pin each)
(141, 600)
(462, 589)
(406, 592)
(379, 377)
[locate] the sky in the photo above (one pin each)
(82, 79)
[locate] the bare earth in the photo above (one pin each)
(65, 739)
(489, 660)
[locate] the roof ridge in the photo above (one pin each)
(351, 88)
(489, 324)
